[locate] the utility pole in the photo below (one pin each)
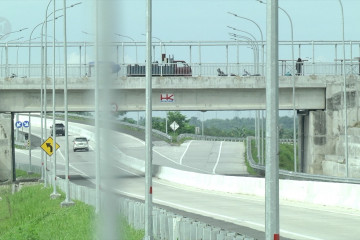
(272, 119)
(148, 127)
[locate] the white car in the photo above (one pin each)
(81, 143)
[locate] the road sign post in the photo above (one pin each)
(26, 124)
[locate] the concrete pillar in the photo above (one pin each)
(6, 151)
(301, 136)
(314, 142)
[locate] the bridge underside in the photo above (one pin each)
(165, 99)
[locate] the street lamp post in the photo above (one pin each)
(262, 39)
(17, 55)
(44, 85)
(30, 41)
(7, 56)
(255, 44)
(2, 36)
(252, 43)
(160, 43)
(293, 80)
(55, 194)
(136, 51)
(67, 201)
(148, 128)
(6, 34)
(344, 86)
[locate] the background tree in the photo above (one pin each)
(180, 119)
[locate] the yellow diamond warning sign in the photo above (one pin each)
(48, 146)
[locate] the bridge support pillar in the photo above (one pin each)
(312, 141)
(301, 140)
(6, 150)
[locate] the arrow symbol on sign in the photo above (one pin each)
(49, 146)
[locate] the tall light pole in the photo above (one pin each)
(6, 34)
(55, 194)
(44, 89)
(17, 55)
(136, 52)
(255, 44)
(148, 127)
(160, 43)
(7, 55)
(46, 17)
(272, 123)
(29, 63)
(344, 86)
(67, 201)
(2, 36)
(262, 39)
(293, 80)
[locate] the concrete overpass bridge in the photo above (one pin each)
(320, 99)
(318, 88)
(169, 93)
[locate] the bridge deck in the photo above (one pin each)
(171, 93)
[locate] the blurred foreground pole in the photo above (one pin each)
(272, 118)
(107, 175)
(67, 201)
(148, 127)
(55, 194)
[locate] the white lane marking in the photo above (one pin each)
(218, 158)
(182, 156)
(200, 170)
(61, 155)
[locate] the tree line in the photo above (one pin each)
(235, 127)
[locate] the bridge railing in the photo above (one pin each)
(194, 70)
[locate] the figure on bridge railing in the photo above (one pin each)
(221, 73)
(299, 65)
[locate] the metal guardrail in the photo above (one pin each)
(296, 175)
(209, 138)
(197, 69)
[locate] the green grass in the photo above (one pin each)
(20, 146)
(23, 174)
(31, 214)
(286, 156)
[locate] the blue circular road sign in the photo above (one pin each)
(26, 123)
(18, 124)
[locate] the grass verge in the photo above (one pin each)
(24, 175)
(31, 214)
(286, 155)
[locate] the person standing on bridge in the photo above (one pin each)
(299, 64)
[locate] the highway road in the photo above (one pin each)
(235, 212)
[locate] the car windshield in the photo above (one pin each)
(80, 140)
